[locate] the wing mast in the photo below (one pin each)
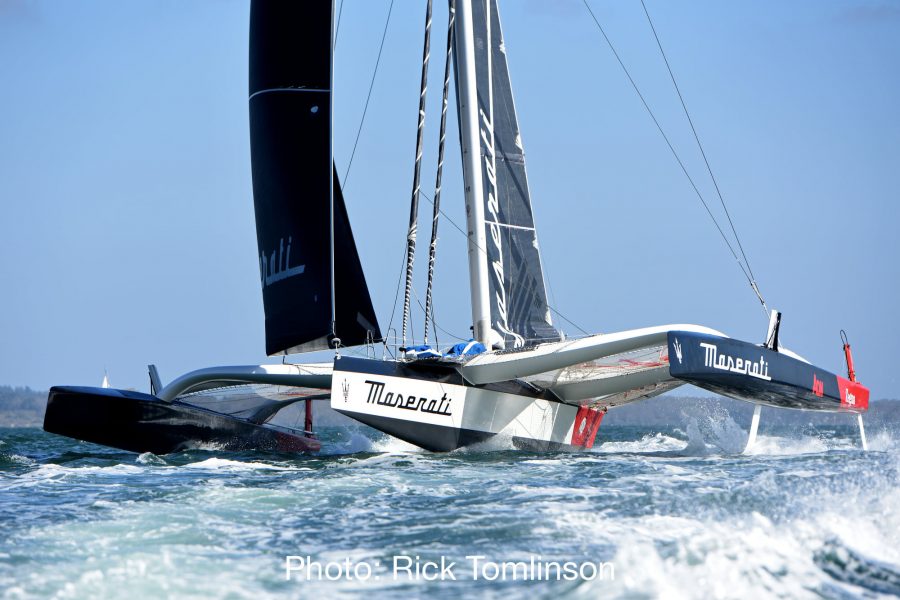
(467, 108)
(509, 297)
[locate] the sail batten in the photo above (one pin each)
(312, 281)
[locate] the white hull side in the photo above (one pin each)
(436, 410)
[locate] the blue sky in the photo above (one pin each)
(127, 233)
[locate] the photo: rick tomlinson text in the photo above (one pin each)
(474, 567)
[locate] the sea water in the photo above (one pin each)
(671, 514)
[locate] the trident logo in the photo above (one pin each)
(345, 387)
(677, 350)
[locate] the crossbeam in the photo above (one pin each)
(317, 375)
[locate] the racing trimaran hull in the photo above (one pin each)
(434, 405)
(541, 389)
(757, 374)
(138, 422)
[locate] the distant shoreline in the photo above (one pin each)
(24, 407)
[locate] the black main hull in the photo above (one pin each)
(139, 422)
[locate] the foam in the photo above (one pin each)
(225, 464)
(716, 433)
(361, 443)
(803, 517)
(651, 442)
(148, 458)
(828, 537)
(785, 446)
(356, 444)
(16, 459)
(882, 441)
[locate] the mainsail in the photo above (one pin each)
(520, 313)
(313, 285)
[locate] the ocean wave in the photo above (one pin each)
(846, 565)
(792, 446)
(225, 464)
(356, 442)
(14, 460)
(649, 443)
(148, 458)
(827, 537)
(807, 516)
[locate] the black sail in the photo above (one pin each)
(296, 195)
(356, 322)
(520, 312)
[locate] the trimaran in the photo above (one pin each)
(519, 377)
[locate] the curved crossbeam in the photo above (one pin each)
(502, 366)
(317, 375)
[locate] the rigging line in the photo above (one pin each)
(671, 148)
(337, 29)
(466, 235)
(432, 248)
(362, 120)
(569, 321)
(437, 341)
(451, 334)
(452, 222)
(396, 296)
(702, 151)
(414, 201)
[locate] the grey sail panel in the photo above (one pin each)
(519, 309)
(293, 193)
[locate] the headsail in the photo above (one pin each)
(354, 314)
(313, 284)
(520, 313)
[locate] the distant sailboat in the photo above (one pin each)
(105, 383)
(520, 377)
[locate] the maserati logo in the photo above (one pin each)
(435, 406)
(677, 350)
(345, 387)
(721, 360)
(277, 266)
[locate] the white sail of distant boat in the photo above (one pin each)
(105, 383)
